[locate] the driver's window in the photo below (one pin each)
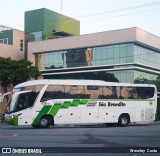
(25, 100)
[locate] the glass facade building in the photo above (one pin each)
(129, 55)
(120, 56)
(105, 55)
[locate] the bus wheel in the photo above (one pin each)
(123, 120)
(45, 122)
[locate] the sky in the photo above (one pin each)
(94, 15)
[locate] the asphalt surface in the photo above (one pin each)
(84, 139)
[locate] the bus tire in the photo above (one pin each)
(45, 122)
(123, 120)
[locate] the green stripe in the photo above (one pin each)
(83, 102)
(13, 121)
(55, 109)
(75, 103)
(66, 104)
(43, 111)
(156, 117)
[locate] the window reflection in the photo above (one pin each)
(37, 35)
(89, 56)
(105, 55)
(95, 92)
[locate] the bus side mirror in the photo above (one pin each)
(1, 97)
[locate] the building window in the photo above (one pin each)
(37, 35)
(21, 45)
(4, 41)
(97, 56)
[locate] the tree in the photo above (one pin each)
(143, 80)
(108, 77)
(14, 72)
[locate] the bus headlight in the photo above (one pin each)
(8, 117)
(12, 116)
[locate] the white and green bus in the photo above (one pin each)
(42, 103)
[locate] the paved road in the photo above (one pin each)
(146, 135)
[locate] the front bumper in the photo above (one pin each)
(11, 119)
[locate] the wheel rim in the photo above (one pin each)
(124, 121)
(44, 122)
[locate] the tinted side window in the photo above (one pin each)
(93, 92)
(109, 92)
(53, 92)
(135, 92)
(74, 92)
(128, 92)
(145, 92)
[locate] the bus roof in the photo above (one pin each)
(77, 82)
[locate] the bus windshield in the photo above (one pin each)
(21, 101)
(23, 98)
